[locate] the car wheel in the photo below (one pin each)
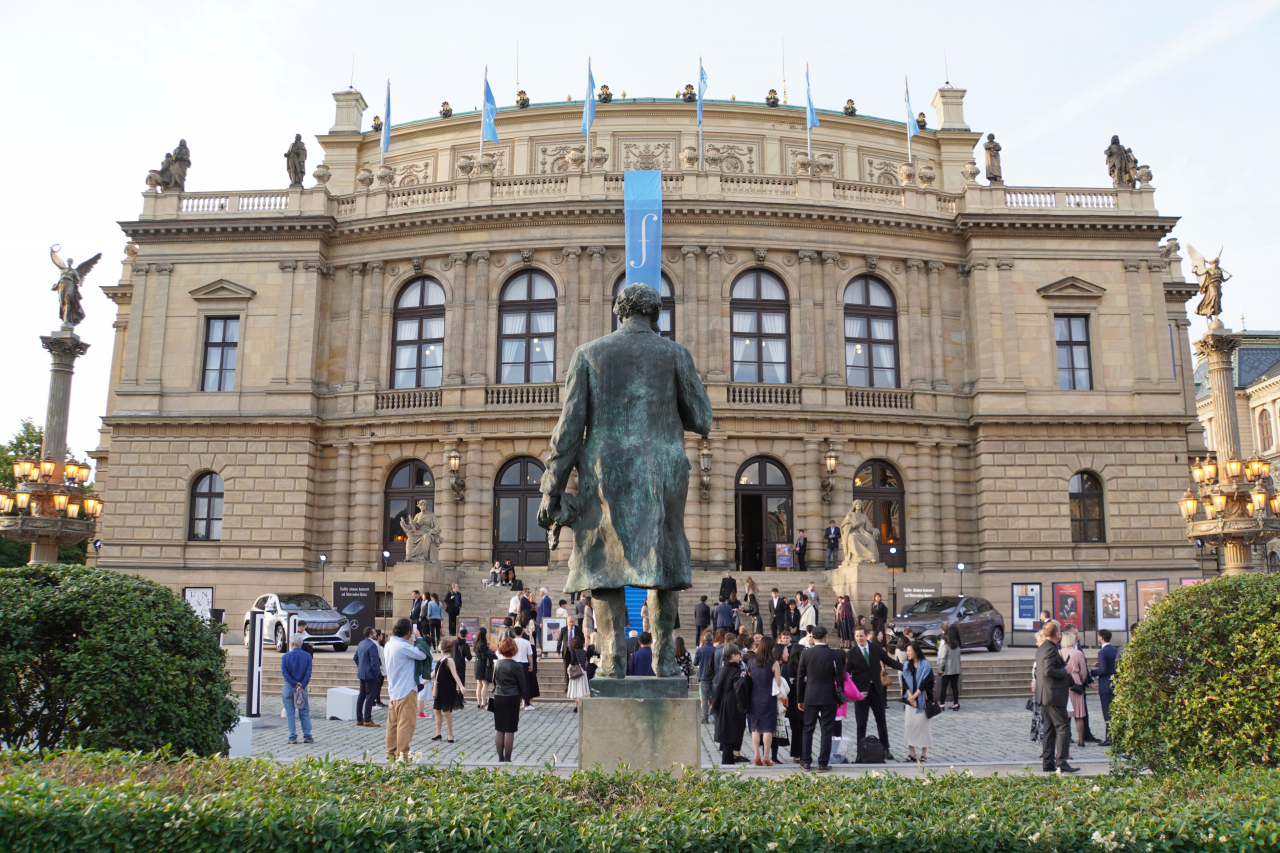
(282, 644)
(997, 640)
(339, 647)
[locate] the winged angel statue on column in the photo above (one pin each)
(68, 286)
(1211, 277)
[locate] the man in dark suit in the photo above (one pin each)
(778, 623)
(417, 618)
(1053, 685)
(802, 545)
(701, 617)
(821, 678)
(864, 661)
(1108, 656)
(453, 606)
(728, 586)
(641, 661)
(832, 535)
(723, 616)
(461, 654)
(564, 644)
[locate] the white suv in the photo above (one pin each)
(325, 625)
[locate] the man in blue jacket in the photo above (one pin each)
(295, 667)
(641, 663)
(369, 671)
(722, 616)
(1108, 656)
(705, 660)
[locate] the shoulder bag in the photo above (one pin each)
(885, 680)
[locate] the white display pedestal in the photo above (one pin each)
(240, 739)
(341, 703)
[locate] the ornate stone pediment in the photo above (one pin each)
(1071, 288)
(223, 290)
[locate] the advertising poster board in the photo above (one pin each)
(1149, 592)
(784, 556)
(355, 600)
(200, 598)
(1026, 606)
(1113, 607)
(551, 629)
(1068, 598)
(1193, 581)
(472, 624)
(495, 626)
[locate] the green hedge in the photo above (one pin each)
(103, 660)
(1199, 683)
(76, 801)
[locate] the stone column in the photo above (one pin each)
(826, 306)
(567, 326)
(454, 352)
(918, 359)
(371, 342)
(693, 323)
(360, 558)
(355, 313)
(306, 371)
(284, 319)
(1137, 323)
(1010, 362)
(805, 331)
(65, 347)
(989, 366)
(598, 325)
(715, 321)
(470, 320)
(129, 372)
(721, 510)
(947, 499)
(1217, 347)
(1154, 288)
(480, 351)
(924, 533)
(809, 512)
(159, 316)
(341, 503)
(938, 378)
(474, 506)
(325, 374)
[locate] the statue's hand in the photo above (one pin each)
(549, 511)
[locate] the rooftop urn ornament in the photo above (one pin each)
(68, 287)
(466, 164)
(605, 96)
(599, 157)
(771, 99)
(689, 157)
(970, 171)
(522, 99)
(689, 95)
(992, 147)
(713, 157)
(849, 108)
(295, 160)
(377, 124)
(1211, 276)
(322, 174)
(445, 110)
(365, 178)
(906, 174)
(926, 175)
(1121, 164)
(921, 121)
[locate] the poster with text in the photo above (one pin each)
(551, 629)
(200, 598)
(784, 555)
(1149, 592)
(1113, 609)
(1026, 606)
(472, 626)
(1068, 598)
(355, 601)
(495, 628)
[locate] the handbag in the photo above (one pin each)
(932, 708)
(299, 696)
(575, 671)
(782, 732)
(1077, 688)
(885, 680)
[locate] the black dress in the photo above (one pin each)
(508, 695)
(448, 692)
(731, 717)
(482, 670)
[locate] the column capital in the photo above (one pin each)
(1157, 266)
(1132, 266)
(375, 266)
(914, 263)
(596, 252)
(1004, 263)
(355, 269)
(480, 257)
(141, 269)
(456, 258)
(935, 266)
(285, 265)
(715, 251)
(690, 251)
(571, 251)
(327, 270)
(807, 256)
(164, 269)
(311, 266)
(830, 257)
(978, 264)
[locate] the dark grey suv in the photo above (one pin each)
(978, 621)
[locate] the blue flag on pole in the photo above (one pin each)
(488, 130)
(911, 120)
(642, 212)
(810, 115)
(386, 121)
(702, 88)
(589, 105)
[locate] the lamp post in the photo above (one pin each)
(458, 484)
(828, 483)
(704, 465)
(1241, 510)
(960, 569)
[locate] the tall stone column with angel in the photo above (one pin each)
(1211, 276)
(69, 309)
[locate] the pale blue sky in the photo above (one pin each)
(98, 92)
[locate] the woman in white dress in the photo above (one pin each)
(580, 686)
(917, 692)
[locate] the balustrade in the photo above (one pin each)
(522, 395)
(765, 395)
(873, 398)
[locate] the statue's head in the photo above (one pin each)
(991, 137)
(182, 143)
(638, 299)
(1115, 140)
(297, 137)
(422, 506)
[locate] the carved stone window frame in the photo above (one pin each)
(221, 299)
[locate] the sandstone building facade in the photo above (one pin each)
(1005, 371)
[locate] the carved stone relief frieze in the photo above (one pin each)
(645, 151)
(792, 148)
(503, 154)
(738, 155)
(881, 167)
(418, 172)
(547, 153)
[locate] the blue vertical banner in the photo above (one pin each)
(642, 209)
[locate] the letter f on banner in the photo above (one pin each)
(642, 206)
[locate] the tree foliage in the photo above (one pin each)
(98, 659)
(1198, 686)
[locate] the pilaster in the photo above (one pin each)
(569, 338)
(806, 327)
(938, 377)
(132, 347)
(307, 373)
(715, 372)
(721, 510)
(1137, 324)
(926, 518)
(947, 500)
(355, 314)
(918, 357)
(454, 368)
(1153, 293)
(284, 318)
(693, 319)
(598, 326)
(1010, 361)
(341, 495)
(828, 312)
(159, 316)
(371, 342)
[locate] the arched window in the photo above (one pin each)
(516, 534)
(1273, 561)
(666, 321)
(762, 494)
(419, 335)
(206, 508)
(879, 482)
(1086, 508)
(761, 329)
(870, 334)
(410, 481)
(527, 329)
(1264, 431)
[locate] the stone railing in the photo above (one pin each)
(877, 194)
(419, 195)
(872, 398)
(1057, 200)
(531, 186)
(522, 395)
(237, 203)
(775, 186)
(408, 399)
(764, 395)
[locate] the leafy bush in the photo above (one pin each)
(87, 801)
(98, 659)
(1199, 684)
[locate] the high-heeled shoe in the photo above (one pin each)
(437, 737)
(757, 762)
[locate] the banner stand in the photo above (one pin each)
(253, 696)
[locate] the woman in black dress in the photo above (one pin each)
(447, 690)
(750, 618)
(879, 614)
(731, 715)
(483, 668)
(508, 695)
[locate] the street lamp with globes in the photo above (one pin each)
(960, 569)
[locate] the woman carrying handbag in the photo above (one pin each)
(917, 696)
(576, 671)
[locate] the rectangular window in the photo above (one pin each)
(1074, 367)
(383, 604)
(222, 337)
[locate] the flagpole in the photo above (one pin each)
(906, 89)
(808, 131)
(700, 166)
(590, 94)
(483, 107)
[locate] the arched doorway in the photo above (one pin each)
(763, 506)
(516, 534)
(410, 481)
(879, 482)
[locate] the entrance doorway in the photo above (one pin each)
(763, 507)
(516, 534)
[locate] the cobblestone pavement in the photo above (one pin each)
(987, 734)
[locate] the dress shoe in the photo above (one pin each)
(1067, 768)
(1049, 768)
(805, 767)
(888, 757)
(1092, 739)
(372, 725)
(1106, 742)
(824, 768)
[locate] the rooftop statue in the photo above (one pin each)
(68, 286)
(181, 163)
(993, 159)
(629, 398)
(1121, 164)
(1211, 276)
(295, 160)
(849, 108)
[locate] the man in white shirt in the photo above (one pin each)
(524, 652)
(402, 717)
(808, 615)
(513, 608)
(561, 613)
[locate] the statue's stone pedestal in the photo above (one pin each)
(640, 723)
(427, 577)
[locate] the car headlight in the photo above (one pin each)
(344, 620)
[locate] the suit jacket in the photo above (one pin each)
(701, 615)
(866, 675)
(368, 661)
(724, 615)
(780, 610)
(802, 544)
(793, 620)
(415, 612)
(641, 662)
(1108, 655)
(728, 587)
(821, 669)
(832, 535)
(1053, 682)
(565, 644)
(453, 602)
